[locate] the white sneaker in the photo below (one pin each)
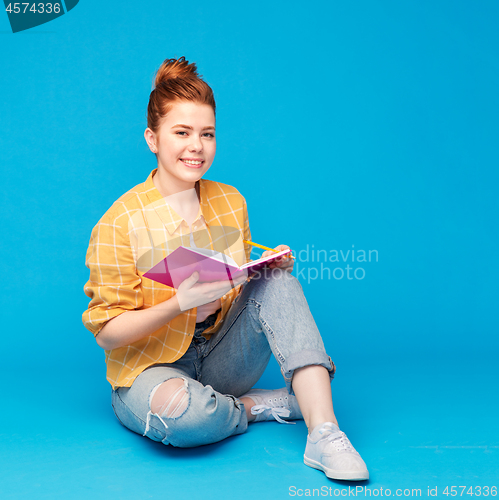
(273, 404)
(329, 450)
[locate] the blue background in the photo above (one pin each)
(367, 123)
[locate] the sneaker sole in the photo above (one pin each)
(337, 474)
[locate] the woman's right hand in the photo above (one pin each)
(191, 294)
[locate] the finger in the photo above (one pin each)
(220, 287)
(192, 279)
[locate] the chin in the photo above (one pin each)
(193, 176)
(196, 175)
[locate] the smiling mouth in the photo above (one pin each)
(192, 163)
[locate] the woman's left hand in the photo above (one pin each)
(284, 262)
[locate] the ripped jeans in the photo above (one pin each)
(269, 316)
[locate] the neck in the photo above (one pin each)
(168, 185)
(184, 201)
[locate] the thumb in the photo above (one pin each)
(194, 277)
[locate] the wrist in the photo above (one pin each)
(169, 306)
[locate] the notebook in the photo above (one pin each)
(211, 265)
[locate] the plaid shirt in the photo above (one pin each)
(137, 232)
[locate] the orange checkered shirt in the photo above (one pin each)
(137, 232)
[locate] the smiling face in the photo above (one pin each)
(185, 146)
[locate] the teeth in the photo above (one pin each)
(192, 162)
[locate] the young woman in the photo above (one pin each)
(182, 361)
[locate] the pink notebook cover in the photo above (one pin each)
(182, 262)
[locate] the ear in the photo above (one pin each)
(150, 138)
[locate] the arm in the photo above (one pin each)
(115, 314)
(132, 326)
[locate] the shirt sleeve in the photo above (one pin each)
(114, 284)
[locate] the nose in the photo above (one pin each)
(196, 144)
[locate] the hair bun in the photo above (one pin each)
(175, 68)
(176, 80)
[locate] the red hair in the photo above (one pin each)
(176, 80)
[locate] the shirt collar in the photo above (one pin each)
(171, 219)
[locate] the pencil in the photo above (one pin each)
(265, 248)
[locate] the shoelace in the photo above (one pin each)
(337, 438)
(276, 412)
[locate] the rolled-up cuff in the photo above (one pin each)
(305, 358)
(243, 423)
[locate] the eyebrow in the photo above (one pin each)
(190, 128)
